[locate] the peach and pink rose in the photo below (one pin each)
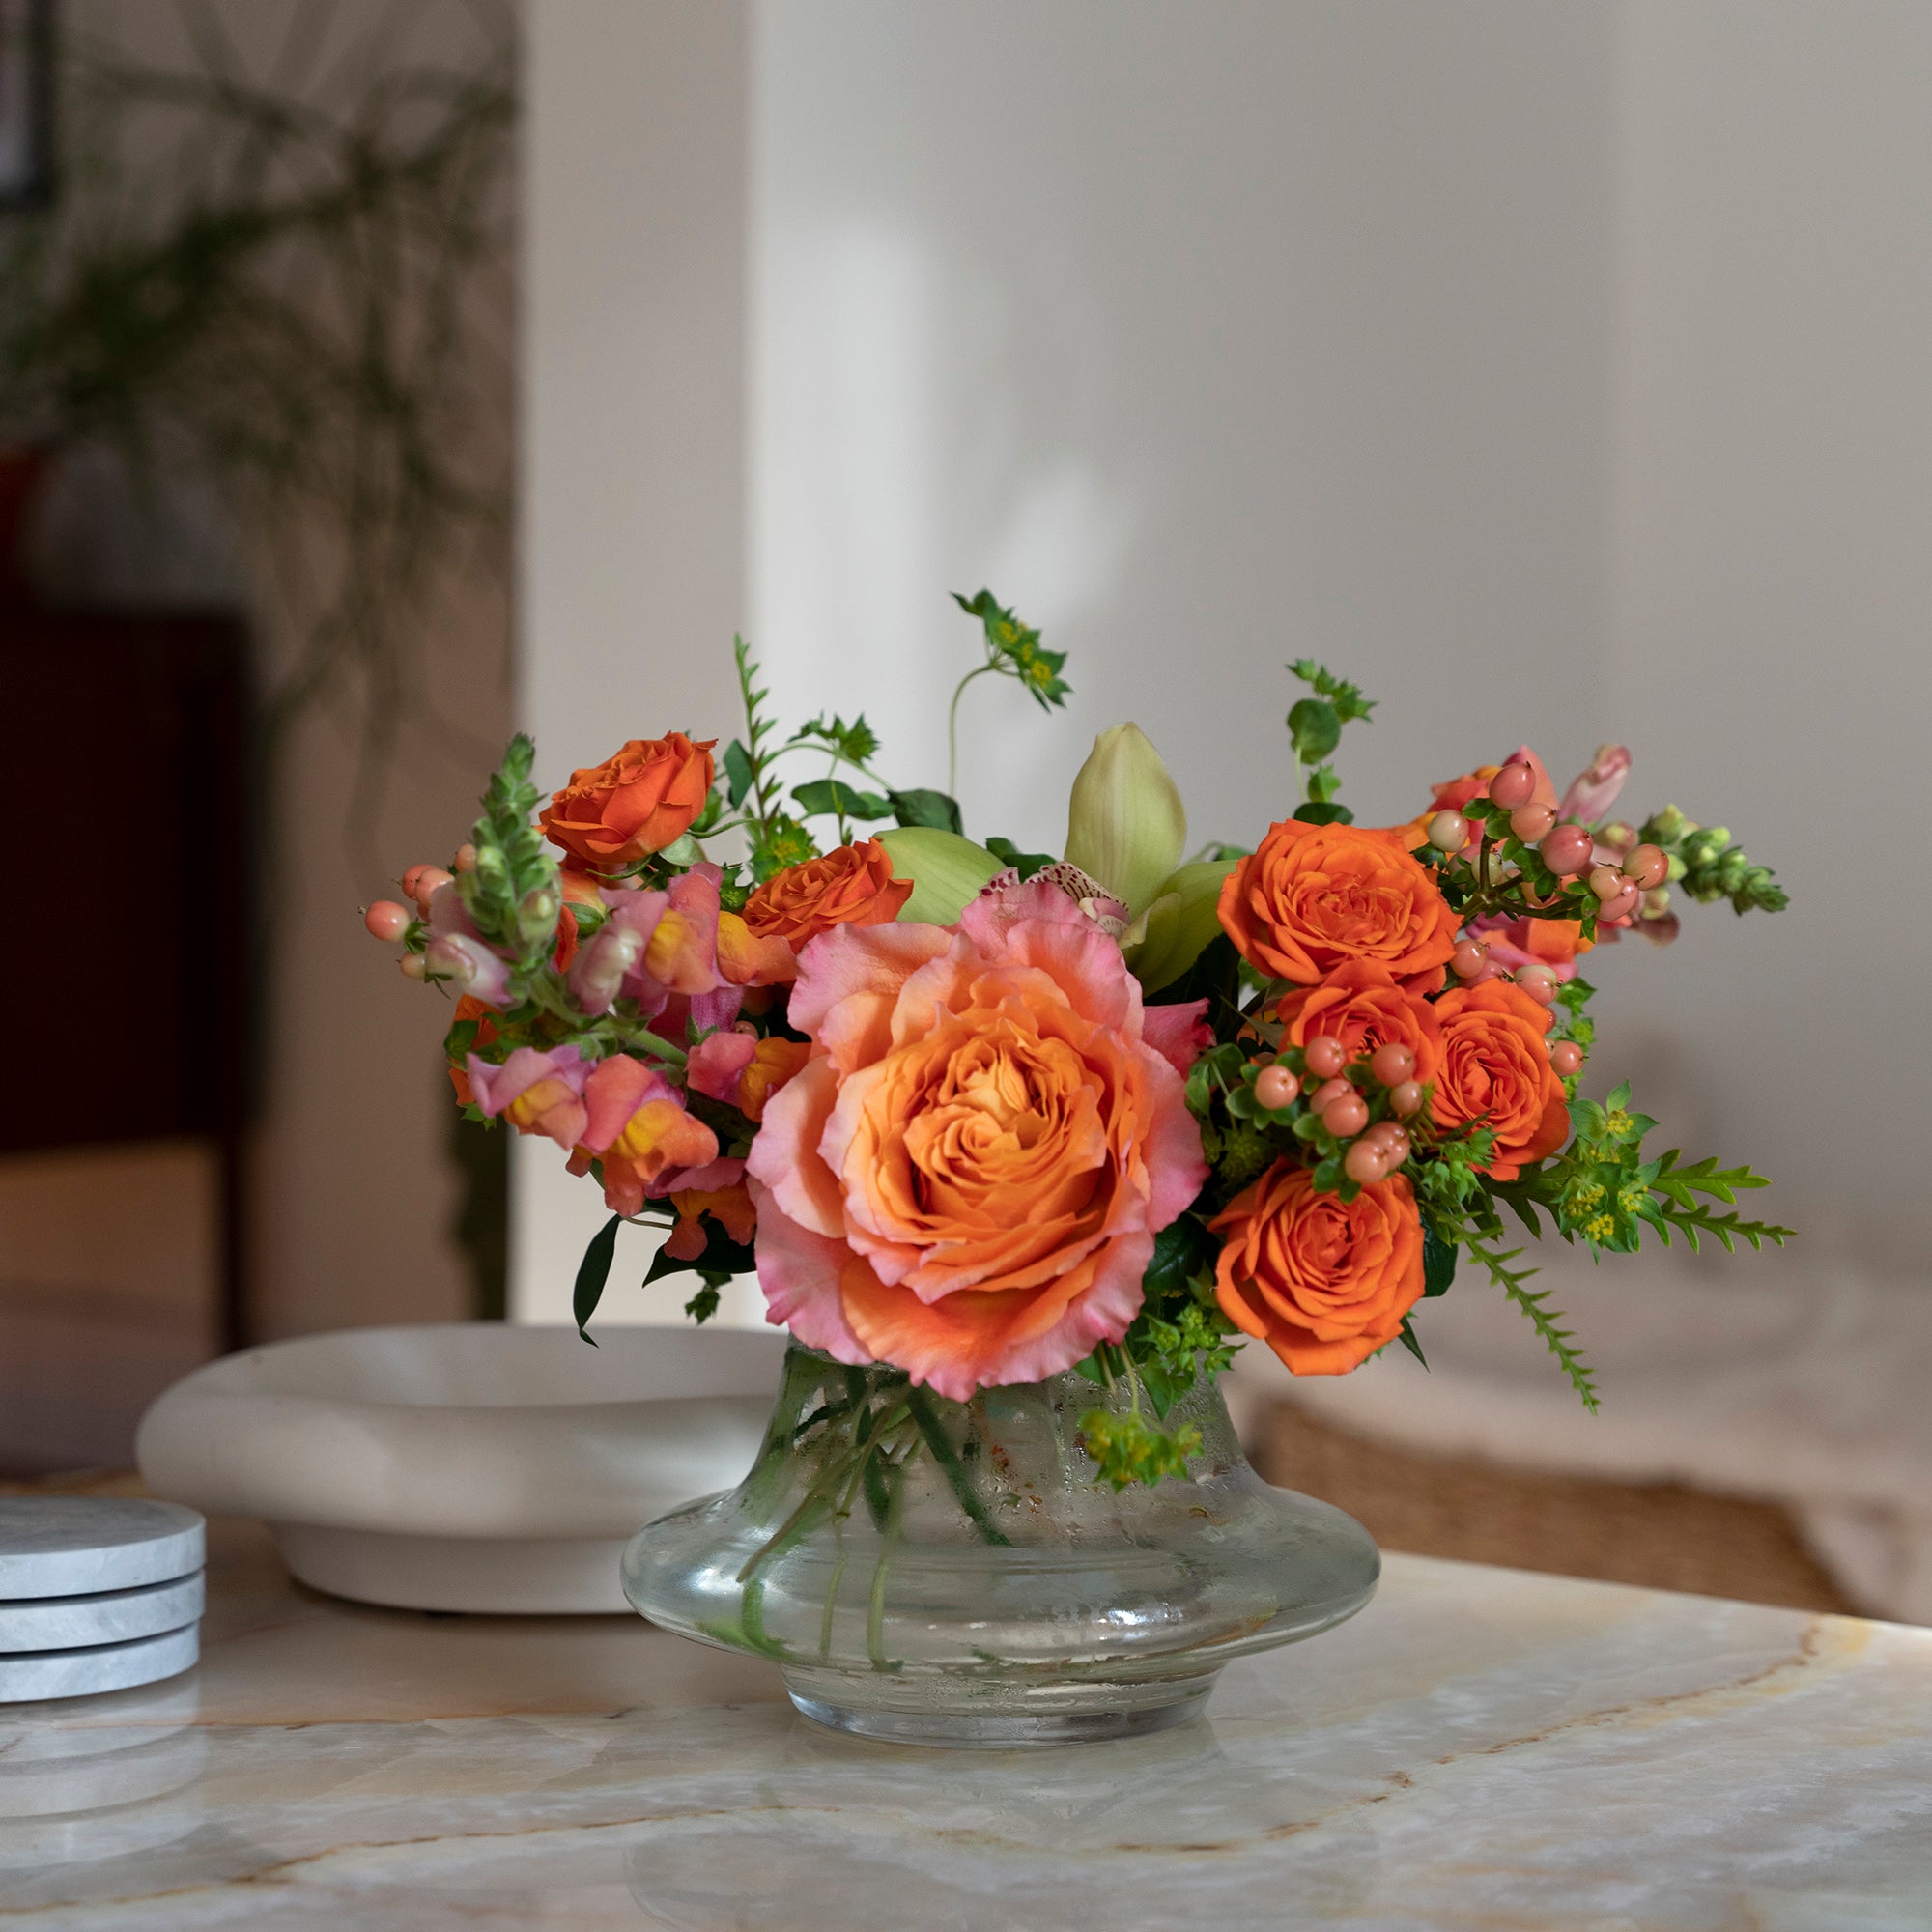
(966, 1177)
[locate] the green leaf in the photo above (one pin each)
(592, 1272)
(1438, 1261)
(1182, 1251)
(737, 773)
(722, 1257)
(1025, 864)
(1348, 702)
(828, 796)
(1324, 814)
(1314, 729)
(933, 808)
(1408, 1342)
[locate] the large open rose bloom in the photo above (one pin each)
(966, 1177)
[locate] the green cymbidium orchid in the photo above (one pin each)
(1183, 918)
(1125, 824)
(946, 870)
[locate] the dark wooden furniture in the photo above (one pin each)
(128, 940)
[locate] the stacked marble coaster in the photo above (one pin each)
(95, 1594)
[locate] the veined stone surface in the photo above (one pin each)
(38, 1676)
(1480, 1751)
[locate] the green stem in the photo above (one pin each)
(919, 1401)
(875, 1602)
(952, 728)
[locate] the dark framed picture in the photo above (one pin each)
(26, 102)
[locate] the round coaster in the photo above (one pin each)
(116, 1616)
(81, 1545)
(39, 1674)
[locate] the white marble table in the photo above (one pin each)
(1482, 1750)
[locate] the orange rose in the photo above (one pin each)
(1496, 1071)
(853, 886)
(1322, 1282)
(632, 805)
(1314, 896)
(486, 1019)
(1361, 1006)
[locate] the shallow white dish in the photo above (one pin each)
(466, 1467)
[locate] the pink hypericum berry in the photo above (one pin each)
(1646, 868)
(427, 880)
(1365, 1162)
(1326, 1056)
(1327, 1094)
(1566, 1056)
(1512, 785)
(1622, 906)
(1618, 835)
(1566, 849)
(1276, 1087)
(412, 966)
(1392, 1064)
(1448, 831)
(387, 920)
(1606, 882)
(1348, 1115)
(1539, 982)
(1529, 822)
(466, 859)
(1469, 958)
(1408, 1098)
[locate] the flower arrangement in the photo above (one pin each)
(986, 1115)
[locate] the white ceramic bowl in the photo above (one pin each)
(466, 1467)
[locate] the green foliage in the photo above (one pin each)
(703, 1305)
(934, 809)
(513, 892)
(857, 743)
(1545, 1320)
(1025, 864)
(831, 796)
(1438, 1261)
(593, 1272)
(721, 1259)
(1014, 649)
(1315, 730)
(1128, 1449)
(1710, 868)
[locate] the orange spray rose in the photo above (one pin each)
(853, 886)
(632, 805)
(1496, 1069)
(1360, 1004)
(1314, 896)
(1322, 1282)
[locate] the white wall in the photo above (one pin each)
(633, 360)
(1773, 547)
(1556, 372)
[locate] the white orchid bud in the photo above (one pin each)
(1125, 824)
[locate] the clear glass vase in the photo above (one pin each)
(952, 1573)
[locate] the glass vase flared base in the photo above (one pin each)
(1002, 1730)
(940, 1572)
